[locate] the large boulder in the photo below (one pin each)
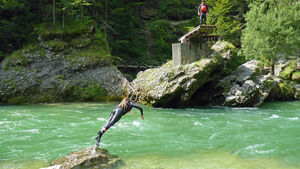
(173, 86)
(247, 86)
(86, 158)
(287, 80)
(176, 86)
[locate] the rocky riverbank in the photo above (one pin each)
(77, 66)
(62, 66)
(207, 82)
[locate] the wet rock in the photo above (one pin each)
(86, 159)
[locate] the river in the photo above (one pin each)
(205, 137)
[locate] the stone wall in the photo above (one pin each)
(186, 53)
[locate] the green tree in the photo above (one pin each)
(227, 16)
(16, 20)
(272, 29)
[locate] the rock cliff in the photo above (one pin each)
(68, 66)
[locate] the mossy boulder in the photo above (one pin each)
(173, 86)
(87, 158)
(224, 48)
(296, 76)
(284, 90)
(288, 70)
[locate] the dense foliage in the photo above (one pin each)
(272, 30)
(141, 32)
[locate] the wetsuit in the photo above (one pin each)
(115, 116)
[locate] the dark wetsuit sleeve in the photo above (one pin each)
(138, 107)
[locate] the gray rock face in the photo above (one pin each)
(247, 86)
(86, 158)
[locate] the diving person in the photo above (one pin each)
(124, 107)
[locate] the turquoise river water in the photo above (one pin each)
(206, 137)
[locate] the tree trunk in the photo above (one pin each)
(63, 25)
(106, 19)
(53, 13)
(272, 67)
(81, 9)
(41, 11)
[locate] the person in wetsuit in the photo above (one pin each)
(124, 107)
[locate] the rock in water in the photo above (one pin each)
(86, 158)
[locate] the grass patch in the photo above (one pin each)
(91, 56)
(56, 45)
(80, 42)
(72, 28)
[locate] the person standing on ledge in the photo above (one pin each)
(202, 12)
(124, 107)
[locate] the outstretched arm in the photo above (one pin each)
(141, 110)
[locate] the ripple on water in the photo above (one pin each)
(198, 124)
(174, 138)
(293, 118)
(274, 116)
(34, 131)
(101, 119)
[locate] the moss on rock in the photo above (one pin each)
(56, 45)
(287, 90)
(78, 54)
(71, 30)
(288, 70)
(296, 76)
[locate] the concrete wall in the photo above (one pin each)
(184, 53)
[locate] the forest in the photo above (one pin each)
(141, 32)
